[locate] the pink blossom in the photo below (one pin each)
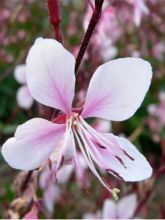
(156, 120)
(24, 98)
(33, 213)
(51, 192)
(139, 9)
(107, 32)
(50, 182)
(115, 92)
(124, 209)
(159, 50)
(90, 215)
(158, 110)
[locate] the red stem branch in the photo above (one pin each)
(160, 171)
(26, 181)
(92, 24)
(55, 18)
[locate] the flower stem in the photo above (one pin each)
(92, 24)
(55, 18)
(26, 181)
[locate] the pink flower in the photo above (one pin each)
(158, 110)
(33, 213)
(158, 50)
(115, 92)
(90, 215)
(51, 192)
(49, 182)
(107, 32)
(124, 209)
(24, 98)
(139, 9)
(156, 120)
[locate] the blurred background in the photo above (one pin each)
(127, 28)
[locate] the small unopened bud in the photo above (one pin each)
(115, 191)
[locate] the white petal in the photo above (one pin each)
(24, 98)
(117, 89)
(137, 168)
(126, 206)
(117, 155)
(109, 209)
(33, 144)
(20, 73)
(50, 74)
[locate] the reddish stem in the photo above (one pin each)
(26, 181)
(55, 18)
(92, 24)
(160, 171)
(91, 4)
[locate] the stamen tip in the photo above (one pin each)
(115, 192)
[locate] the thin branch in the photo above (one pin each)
(26, 181)
(142, 203)
(92, 24)
(159, 172)
(91, 4)
(55, 17)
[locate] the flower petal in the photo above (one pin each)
(51, 196)
(50, 74)
(129, 164)
(24, 98)
(117, 89)
(137, 169)
(126, 207)
(109, 209)
(117, 155)
(20, 73)
(33, 143)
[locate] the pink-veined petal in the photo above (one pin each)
(126, 207)
(137, 169)
(117, 89)
(129, 164)
(33, 143)
(20, 73)
(109, 209)
(116, 155)
(24, 98)
(50, 74)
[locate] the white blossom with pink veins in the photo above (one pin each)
(115, 92)
(124, 209)
(24, 98)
